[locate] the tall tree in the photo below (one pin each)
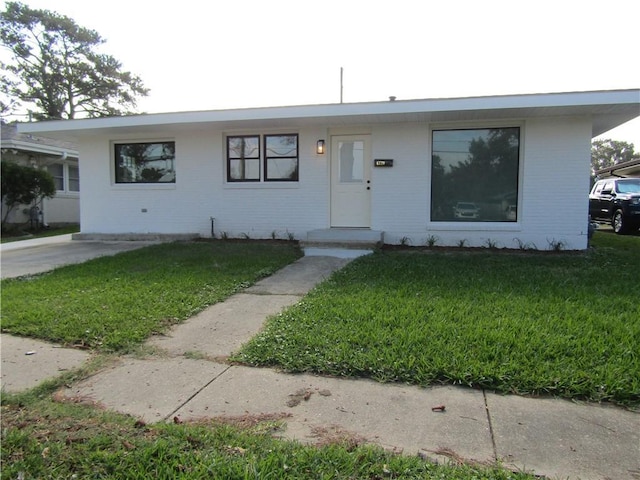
(607, 153)
(57, 71)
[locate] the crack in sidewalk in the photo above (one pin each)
(491, 433)
(172, 413)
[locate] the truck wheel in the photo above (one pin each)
(618, 223)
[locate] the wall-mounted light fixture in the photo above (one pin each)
(320, 147)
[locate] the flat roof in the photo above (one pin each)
(608, 109)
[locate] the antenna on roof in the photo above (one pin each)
(341, 72)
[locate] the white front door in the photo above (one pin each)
(351, 181)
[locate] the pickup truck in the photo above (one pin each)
(616, 201)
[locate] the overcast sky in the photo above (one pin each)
(201, 55)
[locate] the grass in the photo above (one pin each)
(524, 322)
(49, 439)
(17, 235)
(115, 303)
(563, 324)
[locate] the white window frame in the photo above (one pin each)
(66, 166)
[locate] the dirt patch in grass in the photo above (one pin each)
(336, 435)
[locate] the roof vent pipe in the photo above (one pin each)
(392, 98)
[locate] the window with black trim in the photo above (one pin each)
(474, 175)
(281, 158)
(268, 158)
(243, 158)
(145, 162)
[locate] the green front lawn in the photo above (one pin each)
(564, 324)
(115, 303)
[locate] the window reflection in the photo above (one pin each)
(145, 162)
(243, 156)
(474, 175)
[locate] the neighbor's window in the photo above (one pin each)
(74, 179)
(57, 172)
(474, 175)
(145, 162)
(281, 157)
(66, 177)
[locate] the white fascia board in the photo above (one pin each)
(558, 101)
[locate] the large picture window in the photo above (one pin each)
(274, 159)
(474, 175)
(145, 162)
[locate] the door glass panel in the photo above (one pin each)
(351, 161)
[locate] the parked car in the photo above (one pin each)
(466, 210)
(616, 201)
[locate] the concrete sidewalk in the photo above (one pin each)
(189, 379)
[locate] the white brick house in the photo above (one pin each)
(503, 170)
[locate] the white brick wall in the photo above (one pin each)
(201, 192)
(553, 189)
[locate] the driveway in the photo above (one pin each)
(28, 257)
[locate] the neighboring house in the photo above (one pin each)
(58, 157)
(624, 169)
(386, 170)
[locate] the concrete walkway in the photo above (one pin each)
(28, 257)
(188, 379)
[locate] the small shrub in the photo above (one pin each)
(491, 244)
(405, 241)
(462, 243)
(556, 245)
(432, 240)
(525, 246)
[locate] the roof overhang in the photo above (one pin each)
(607, 109)
(29, 147)
(625, 169)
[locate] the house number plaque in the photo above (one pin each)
(383, 162)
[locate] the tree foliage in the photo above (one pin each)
(607, 153)
(57, 70)
(21, 185)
